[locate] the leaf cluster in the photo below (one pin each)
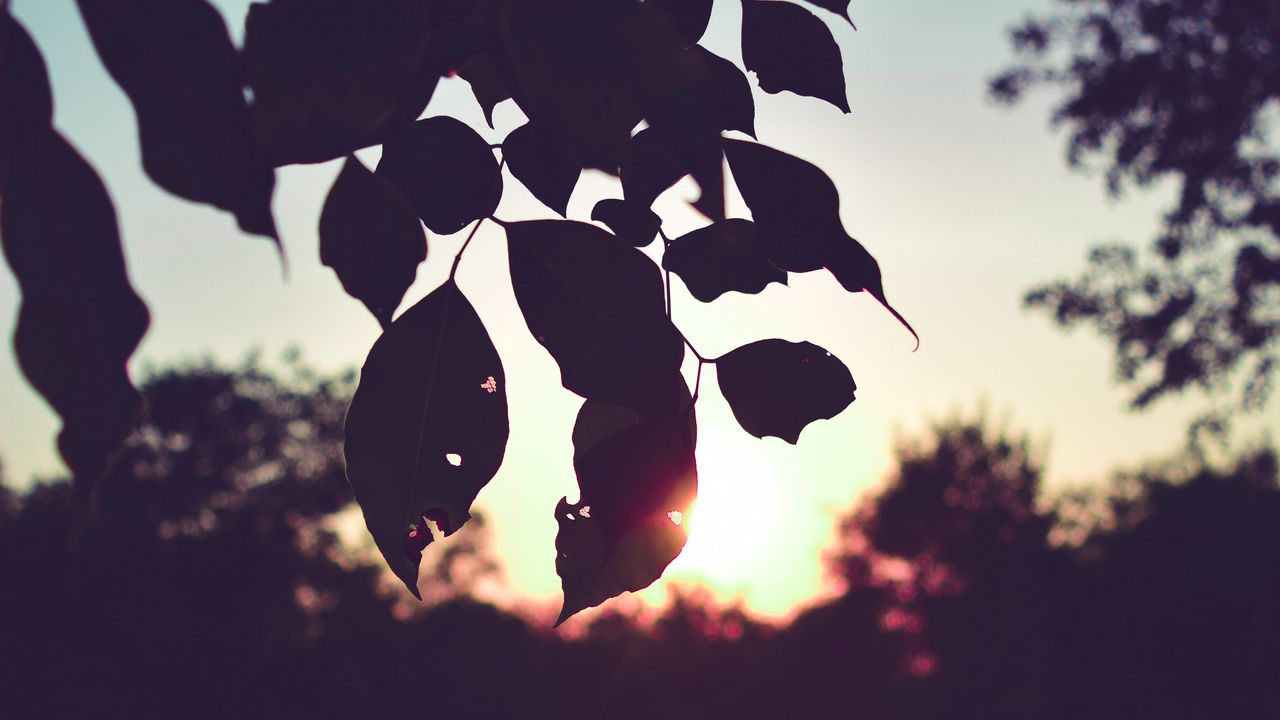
(620, 86)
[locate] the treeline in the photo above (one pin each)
(204, 580)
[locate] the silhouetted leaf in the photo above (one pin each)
(797, 212)
(650, 167)
(585, 71)
(690, 16)
(175, 61)
(483, 75)
(80, 319)
(720, 258)
(24, 85)
(332, 76)
(637, 479)
(635, 224)
(777, 387)
(372, 239)
(427, 427)
(446, 170)
(684, 118)
(839, 7)
(735, 108)
(596, 305)
(789, 48)
(532, 158)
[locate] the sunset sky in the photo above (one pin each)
(964, 204)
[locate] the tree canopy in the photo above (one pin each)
(1183, 91)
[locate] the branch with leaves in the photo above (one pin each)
(428, 425)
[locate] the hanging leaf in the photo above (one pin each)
(427, 427)
(637, 479)
(80, 320)
(789, 48)
(446, 171)
(533, 159)
(651, 166)
(683, 116)
(839, 7)
(175, 61)
(24, 85)
(797, 212)
(635, 224)
(597, 306)
(690, 17)
(332, 76)
(371, 238)
(777, 387)
(483, 75)
(722, 257)
(735, 108)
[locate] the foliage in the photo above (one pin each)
(1184, 90)
(428, 426)
(214, 574)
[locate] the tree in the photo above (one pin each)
(1185, 91)
(427, 426)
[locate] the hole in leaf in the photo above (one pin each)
(438, 516)
(416, 540)
(454, 459)
(676, 517)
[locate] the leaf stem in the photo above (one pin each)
(458, 258)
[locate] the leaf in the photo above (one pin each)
(655, 160)
(635, 224)
(596, 305)
(432, 393)
(372, 239)
(789, 48)
(532, 157)
(637, 478)
(24, 85)
(80, 320)
(446, 171)
(571, 70)
(777, 387)
(485, 78)
(332, 76)
(839, 7)
(735, 108)
(651, 166)
(690, 17)
(175, 61)
(797, 212)
(720, 258)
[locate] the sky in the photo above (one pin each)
(965, 204)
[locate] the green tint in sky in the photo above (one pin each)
(965, 206)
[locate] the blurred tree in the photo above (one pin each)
(211, 568)
(1183, 90)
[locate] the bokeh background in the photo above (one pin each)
(965, 205)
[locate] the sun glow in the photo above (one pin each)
(739, 519)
